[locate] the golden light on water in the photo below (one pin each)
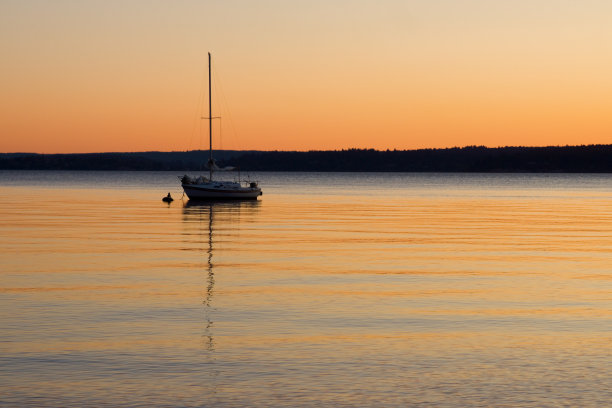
(369, 290)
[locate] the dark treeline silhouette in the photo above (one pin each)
(191, 160)
(571, 159)
(568, 159)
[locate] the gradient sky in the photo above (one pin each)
(92, 76)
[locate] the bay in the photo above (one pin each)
(333, 289)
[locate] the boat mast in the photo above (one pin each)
(210, 158)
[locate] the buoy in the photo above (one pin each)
(168, 199)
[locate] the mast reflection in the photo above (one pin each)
(201, 219)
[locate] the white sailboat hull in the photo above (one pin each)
(213, 191)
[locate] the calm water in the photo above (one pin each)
(444, 290)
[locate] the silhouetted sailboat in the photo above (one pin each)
(205, 188)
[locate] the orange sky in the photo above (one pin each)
(298, 75)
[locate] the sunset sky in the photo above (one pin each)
(94, 76)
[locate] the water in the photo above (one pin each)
(444, 290)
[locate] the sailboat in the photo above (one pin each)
(205, 188)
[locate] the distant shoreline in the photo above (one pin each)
(475, 159)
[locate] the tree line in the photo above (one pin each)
(565, 159)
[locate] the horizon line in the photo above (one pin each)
(327, 150)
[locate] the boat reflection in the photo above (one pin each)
(201, 219)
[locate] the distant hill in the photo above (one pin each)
(567, 159)
(190, 160)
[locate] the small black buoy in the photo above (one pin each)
(168, 199)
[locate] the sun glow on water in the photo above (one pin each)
(332, 289)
